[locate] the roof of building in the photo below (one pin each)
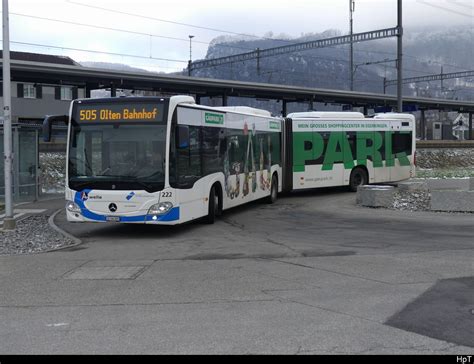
(43, 58)
(95, 78)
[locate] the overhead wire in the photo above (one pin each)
(94, 51)
(196, 41)
(118, 30)
(223, 30)
(180, 39)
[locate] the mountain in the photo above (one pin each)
(112, 66)
(425, 51)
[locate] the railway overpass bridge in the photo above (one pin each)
(93, 78)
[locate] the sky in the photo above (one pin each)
(155, 34)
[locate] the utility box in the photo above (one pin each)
(437, 130)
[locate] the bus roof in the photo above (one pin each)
(327, 114)
(393, 115)
(245, 110)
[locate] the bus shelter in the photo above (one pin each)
(25, 163)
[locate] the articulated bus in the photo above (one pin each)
(168, 160)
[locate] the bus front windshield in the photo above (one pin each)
(118, 156)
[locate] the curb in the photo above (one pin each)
(18, 219)
(51, 223)
(62, 232)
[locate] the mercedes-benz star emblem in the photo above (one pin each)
(113, 207)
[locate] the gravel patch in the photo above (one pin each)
(445, 158)
(445, 173)
(32, 235)
(418, 200)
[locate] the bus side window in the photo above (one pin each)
(188, 155)
(213, 149)
(235, 146)
(402, 142)
(195, 168)
(182, 136)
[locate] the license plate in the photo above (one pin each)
(113, 218)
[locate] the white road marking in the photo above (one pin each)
(58, 324)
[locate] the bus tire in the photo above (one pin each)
(359, 177)
(213, 209)
(273, 190)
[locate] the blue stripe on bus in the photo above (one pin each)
(172, 215)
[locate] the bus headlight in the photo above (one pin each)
(72, 207)
(160, 208)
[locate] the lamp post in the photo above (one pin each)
(190, 54)
(399, 57)
(9, 220)
(351, 62)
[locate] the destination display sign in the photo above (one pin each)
(121, 112)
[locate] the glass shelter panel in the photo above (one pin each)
(25, 165)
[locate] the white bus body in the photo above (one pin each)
(192, 155)
(168, 160)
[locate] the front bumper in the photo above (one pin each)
(170, 218)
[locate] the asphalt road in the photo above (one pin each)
(311, 274)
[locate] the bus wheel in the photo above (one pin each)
(358, 178)
(273, 190)
(213, 206)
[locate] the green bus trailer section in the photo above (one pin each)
(325, 148)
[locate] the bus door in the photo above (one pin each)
(302, 146)
(189, 164)
(336, 155)
(307, 152)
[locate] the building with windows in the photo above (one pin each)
(31, 101)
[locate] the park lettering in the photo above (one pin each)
(311, 147)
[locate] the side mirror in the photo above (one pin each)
(48, 122)
(182, 133)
